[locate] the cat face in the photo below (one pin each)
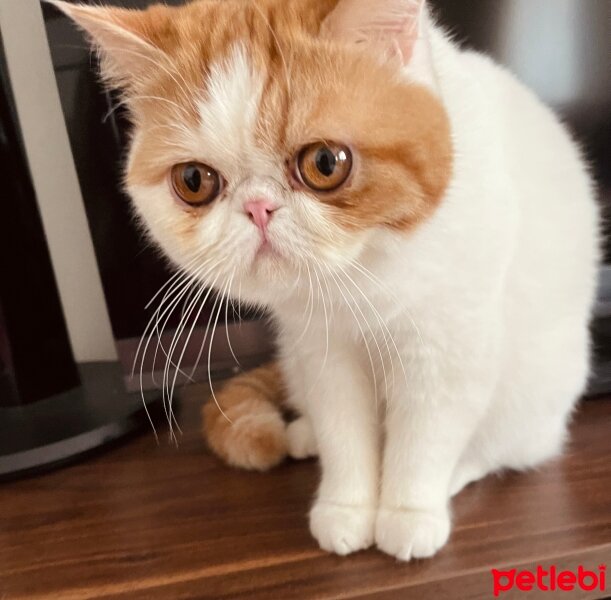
(273, 137)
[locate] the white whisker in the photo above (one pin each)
(373, 370)
(209, 365)
(235, 358)
(371, 331)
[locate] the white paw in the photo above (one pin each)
(409, 534)
(301, 441)
(342, 529)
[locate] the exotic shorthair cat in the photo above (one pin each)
(422, 229)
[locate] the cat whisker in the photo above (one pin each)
(179, 273)
(235, 358)
(167, 391)
(202, 305)
(240, 302)
(210, 362)
(382, 325)
(326, 282)
(373, 278)
(179, 288)
(324, 306)
(144, 351)
(186, 301)
(203, 343)
(310, 307)
(173, 304)
(371, 331)
(191, 282)
(385, 290)
(364, 337)
(169, 287)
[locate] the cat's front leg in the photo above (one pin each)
(429, 422)
(339, 401)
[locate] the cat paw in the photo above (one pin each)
(301, 441)
(342, 529)
(409, 534)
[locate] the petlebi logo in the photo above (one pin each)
(550, 580)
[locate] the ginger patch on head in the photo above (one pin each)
(398, 131)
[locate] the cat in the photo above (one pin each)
(422, 228)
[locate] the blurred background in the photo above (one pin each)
(76, 273)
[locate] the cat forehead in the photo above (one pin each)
(248, 70)
(228, 110)
(247, 108)
(221, 113)
(207, 29)
(254, 72)
(251, 109)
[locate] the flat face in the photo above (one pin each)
(272, 108)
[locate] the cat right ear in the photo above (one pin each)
(123, 38)
(396, 30)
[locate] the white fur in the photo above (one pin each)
(489, 310)
(477, 348)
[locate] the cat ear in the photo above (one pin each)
(122, 36)
(395, 29)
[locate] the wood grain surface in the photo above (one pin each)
(158, 522)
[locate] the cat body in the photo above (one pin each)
(432, 310)
(482, 317)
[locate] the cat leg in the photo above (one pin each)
(496, 447)
(301, 440)
(526, 423)
(428, 426)
(339, 403)
(543, 440)
(468, 470)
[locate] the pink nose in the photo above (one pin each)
(260, 212)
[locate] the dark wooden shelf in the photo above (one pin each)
(148, 522)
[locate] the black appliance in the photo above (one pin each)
(61, 387)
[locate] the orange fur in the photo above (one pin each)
(249, 432)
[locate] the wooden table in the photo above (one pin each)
(148, 522)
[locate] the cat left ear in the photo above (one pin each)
(395, 29)
(122, 37)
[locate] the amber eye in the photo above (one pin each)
(324, 167)
(195, 184)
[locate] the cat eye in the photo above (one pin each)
(324, 166)
(195, 184)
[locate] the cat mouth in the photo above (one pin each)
(266, 249)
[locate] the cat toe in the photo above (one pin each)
(342, 529)
(409, 534)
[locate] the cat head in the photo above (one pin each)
(273, 138)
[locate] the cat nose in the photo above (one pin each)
(260, 212)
